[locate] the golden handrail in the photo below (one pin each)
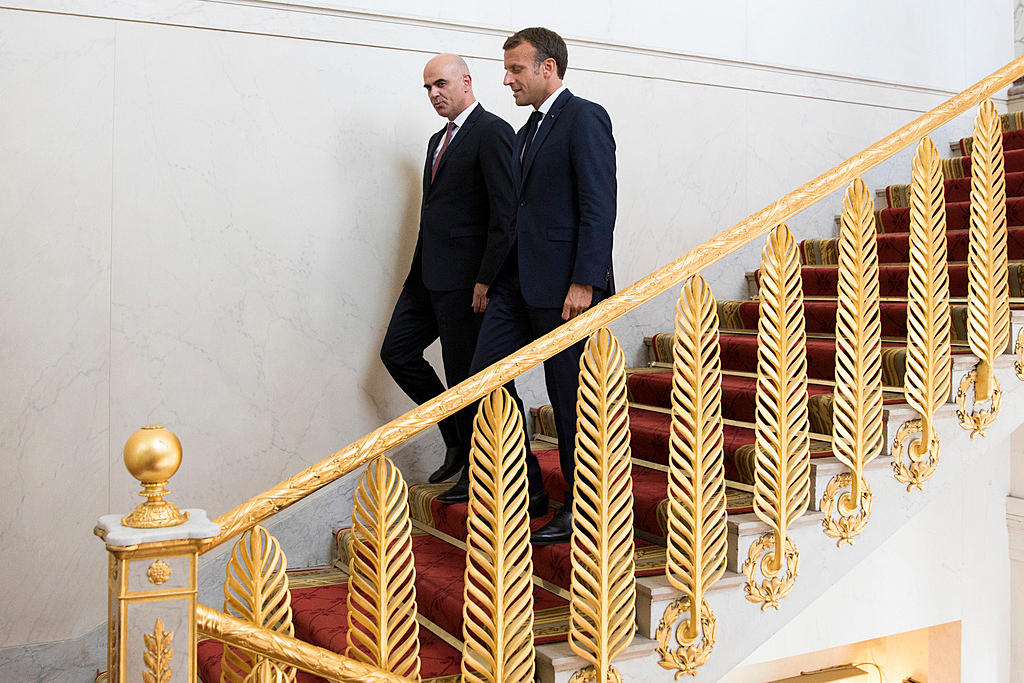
(324, 663)
(401, 429)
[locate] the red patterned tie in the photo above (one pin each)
(437, 159)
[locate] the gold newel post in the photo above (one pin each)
(152, 561)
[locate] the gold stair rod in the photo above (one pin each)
(399, 430)
(316, 660)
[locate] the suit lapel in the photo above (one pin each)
(431, 146)
(545, 129)
(460, 135)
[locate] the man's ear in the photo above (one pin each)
(467, 81)
(549, 67)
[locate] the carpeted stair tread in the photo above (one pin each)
(823, 281)
(738, 395)
(649, 441)
(1012, 139)
(440, 581)
(954, 189)
(960, 167)
(649, 489)
(441, 586)
(958, 215)
(820, 318)
(739, 353)
(320, 616)
(894, 247)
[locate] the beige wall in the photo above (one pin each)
(208, 208)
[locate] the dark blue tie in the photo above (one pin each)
(531, 132)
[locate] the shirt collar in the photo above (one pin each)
(461, 118)
(543, 109)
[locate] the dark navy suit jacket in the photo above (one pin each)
(566, 203)
(467, 211)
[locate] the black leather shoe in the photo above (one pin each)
(558, 530)
(538, 504)
(456, 494)
(454, 459)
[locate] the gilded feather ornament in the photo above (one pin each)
(782, 444)
(256, 590)
(928, 379)
(988, 289)
(382, 627)
(857, 437)
(497, 627)
(602, 608)
(696, 539)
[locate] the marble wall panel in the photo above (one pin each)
(279, 196)
(55, 134)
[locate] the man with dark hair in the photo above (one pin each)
(465, 232)
(561, 263)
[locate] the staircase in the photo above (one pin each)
(439, 532)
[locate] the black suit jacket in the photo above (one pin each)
(467, 211)
(567, 202)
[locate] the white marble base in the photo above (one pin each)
(110, 529)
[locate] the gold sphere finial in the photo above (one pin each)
(152, 455)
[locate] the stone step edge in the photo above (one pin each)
(556, 658)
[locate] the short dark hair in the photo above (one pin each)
(548, 43)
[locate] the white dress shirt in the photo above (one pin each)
(543, 109)
(458, 121)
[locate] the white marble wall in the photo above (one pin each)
(208, 209)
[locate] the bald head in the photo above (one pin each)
(448, 84)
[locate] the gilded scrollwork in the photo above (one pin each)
(691, 653)
(977, 420)
(845, 518)
(775, 583)
(920, 468)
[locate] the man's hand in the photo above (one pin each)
(577, 300)
(480, 297)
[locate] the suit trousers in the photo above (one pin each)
(509, 324)
(420, 317)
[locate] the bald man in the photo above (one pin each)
(465, 233)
